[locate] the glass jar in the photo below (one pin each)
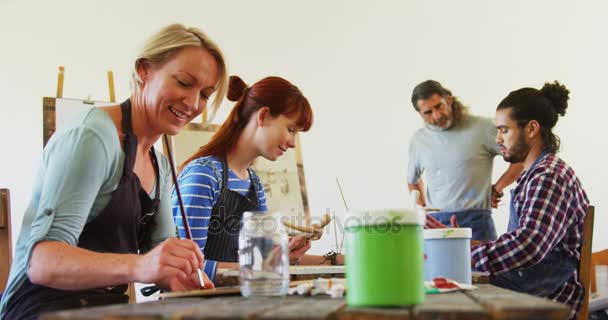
(263, 255)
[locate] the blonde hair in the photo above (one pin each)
(168, 41)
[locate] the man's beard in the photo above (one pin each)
(448, 124)
(519, 152)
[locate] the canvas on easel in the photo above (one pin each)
(283, 179)
(57, 111)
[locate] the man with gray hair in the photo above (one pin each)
(455, 151)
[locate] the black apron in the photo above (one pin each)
(123, 226)
(226, 219)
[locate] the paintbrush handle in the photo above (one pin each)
(181, 203)
(179, 195)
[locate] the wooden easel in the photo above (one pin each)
(48, 104)
(60, 77)
(5, 237)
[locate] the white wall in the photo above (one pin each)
(356, 61)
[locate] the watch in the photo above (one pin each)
(496, 193)
(332, 256)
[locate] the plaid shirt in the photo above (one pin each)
(551, 205)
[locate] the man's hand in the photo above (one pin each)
(432, 223)
(496, 196)
(419, 187)
(298, 246)
(173, 265)
(477, 242)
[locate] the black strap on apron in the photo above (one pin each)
(124, 226)
(225, 221)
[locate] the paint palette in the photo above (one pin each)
(295, 270)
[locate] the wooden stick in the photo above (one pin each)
(181, 203)
(179, 195)
(60, 82)
(335, 231)
(341, 194)
(229, 290)
(346, 207)
(111, 86)
(204, 117)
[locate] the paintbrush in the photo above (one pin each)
(346, 207)
(181, 203)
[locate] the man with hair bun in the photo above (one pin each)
(455, 151)
(541, 251)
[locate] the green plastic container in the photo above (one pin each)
(384, 258)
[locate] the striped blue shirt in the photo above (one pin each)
(200, 183)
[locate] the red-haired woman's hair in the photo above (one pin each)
(278, 94)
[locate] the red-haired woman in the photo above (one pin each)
(263, 123)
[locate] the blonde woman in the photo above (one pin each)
(103, 193)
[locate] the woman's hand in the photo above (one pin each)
(298, 246)
(173, 265)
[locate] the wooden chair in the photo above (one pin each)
(597, 258)
(584, 269)
(5, 237)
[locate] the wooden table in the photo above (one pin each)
(487, 302)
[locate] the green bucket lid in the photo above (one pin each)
(448, 233)
(356, 218)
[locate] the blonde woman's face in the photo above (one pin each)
(177, 90)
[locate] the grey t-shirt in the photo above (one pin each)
(456, 163)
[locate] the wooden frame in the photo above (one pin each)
(48, 119)
(5, 209)
(6, 250)
(49, 114)
(585, 264)
(288, 185)
(597, 258)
